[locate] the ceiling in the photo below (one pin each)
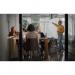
(43, 15)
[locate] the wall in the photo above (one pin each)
(6, 21)
(3, 37)
(71, 26)
(13, 20)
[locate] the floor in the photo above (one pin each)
(53, 55)
(59, 56)
(71, 51)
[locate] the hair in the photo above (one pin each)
(12, 28)
(59, 21)
(24, 30)
(31, 28)
(12, 31)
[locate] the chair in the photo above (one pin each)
(31, 47)
(44, 48)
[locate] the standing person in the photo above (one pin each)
(60, 31)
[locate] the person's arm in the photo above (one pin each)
(55, 24)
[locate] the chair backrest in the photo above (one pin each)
(31, 44)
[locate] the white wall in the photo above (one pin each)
(71, 26)
(13, 20)
(3, 37)
(6, 21)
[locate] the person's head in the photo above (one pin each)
(13, 29)
(23, 29)
(59, 22)
(31, 28)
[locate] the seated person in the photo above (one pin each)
(14, 34)
(41, 41)
(31, 33)
(38, 30)
(31, 39)
(42, 34)
(13, 31)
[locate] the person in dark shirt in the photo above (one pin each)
(41, 43)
